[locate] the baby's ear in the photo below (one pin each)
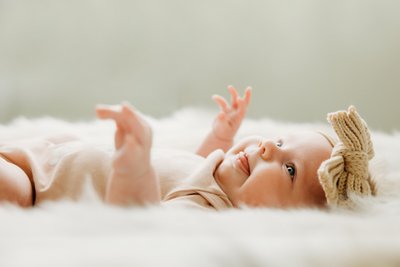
(346, 173)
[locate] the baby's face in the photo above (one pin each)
(279, 172)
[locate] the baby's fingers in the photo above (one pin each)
(115, 113)
(244, 101)
(247, 95)
(133, 123)
(126, 119)
(108, 111)
(234, 96)
(221, 102)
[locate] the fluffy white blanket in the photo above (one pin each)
(90, 233)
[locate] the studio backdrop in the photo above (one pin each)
(302, 58)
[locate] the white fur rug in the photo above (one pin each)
(90, 233)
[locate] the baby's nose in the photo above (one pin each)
(268, 149)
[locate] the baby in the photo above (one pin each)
(290, 171)
(258, 172)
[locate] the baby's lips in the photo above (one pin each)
(250, 152)
(247, 163)
(243, 162)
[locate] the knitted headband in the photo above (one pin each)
(328, 138)
(346, 173)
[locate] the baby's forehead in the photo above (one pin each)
(303, 137)
(308, 145)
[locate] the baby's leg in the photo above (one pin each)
(15, 185)
(133, 180)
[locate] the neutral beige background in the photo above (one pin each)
(303, 58)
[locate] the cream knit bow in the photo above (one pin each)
(346, 171)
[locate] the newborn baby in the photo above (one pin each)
(259, 172)
(277, 172)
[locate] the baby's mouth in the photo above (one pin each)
(243, 162)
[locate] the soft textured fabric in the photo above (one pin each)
(59, 166)
(200, 188)
(89, 233)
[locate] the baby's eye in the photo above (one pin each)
(291, 170)
(279, 143)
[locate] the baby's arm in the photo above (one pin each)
(133, 179)
(227, 123)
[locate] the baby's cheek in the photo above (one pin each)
(261, 193)
(253, 197)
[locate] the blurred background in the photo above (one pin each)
(302, 58)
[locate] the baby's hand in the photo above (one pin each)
(133, 138)
(229, 119)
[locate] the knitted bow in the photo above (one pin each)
(346, 171)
